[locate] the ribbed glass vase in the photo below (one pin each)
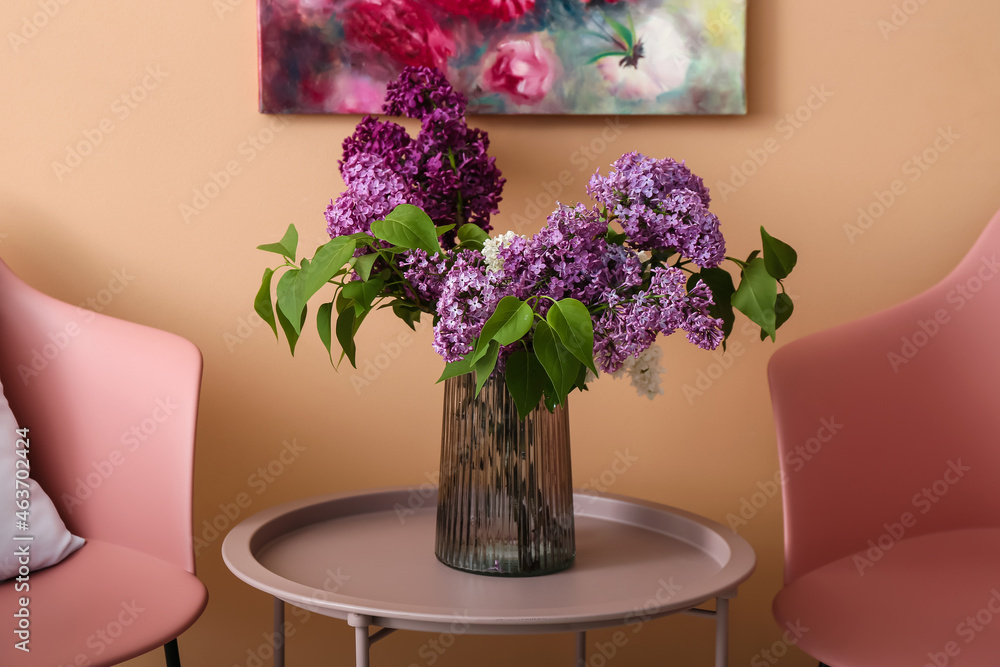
(505, 500)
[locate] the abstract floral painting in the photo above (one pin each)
(508, 56)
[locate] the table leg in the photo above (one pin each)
(279, 633)
(721, 632)
(362, 643)
(581, 649)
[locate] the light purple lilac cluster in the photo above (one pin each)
(445, 170)
(571, 257)
(661, 204)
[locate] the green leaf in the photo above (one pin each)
(615, 237)
(721, 284)
(444, 229)
(525, 380)
(363, 292)
(455, 368)
(409, 314)
(328, 260)
(779, 257)
(286, 246)
(345, 334)
(783, 308)
(262, 302)
(509, 322)
(752, 256)
(570, 320)
(559, 364)
(291, 332)
(408, 227)
(324, 321)
(757, 295)
(363, 265)
(471, 232)
(604, 54)
(622, 31)
(291, 303)
(485, 365)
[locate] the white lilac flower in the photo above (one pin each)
(491, 250)
(644, 371)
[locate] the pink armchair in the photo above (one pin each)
(111, 407)
(889, 437)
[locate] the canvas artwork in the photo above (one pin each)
(508, 56)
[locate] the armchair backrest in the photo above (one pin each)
(111, 408)
(889, 427)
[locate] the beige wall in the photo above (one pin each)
(885, 98)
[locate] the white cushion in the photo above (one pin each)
(51, 541)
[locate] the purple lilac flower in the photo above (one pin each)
(446, 169)
(426, 274)
(661, 204)
(630, 327)
(419, 91)
(456, 181)
(384, 138)
(467, 301)
(373, 190)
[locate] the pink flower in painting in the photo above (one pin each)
(502, 10)
(402, 29)
(523, 69)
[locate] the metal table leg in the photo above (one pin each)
(279, 633)
(581, 649)
(362, 643)
(721, 632)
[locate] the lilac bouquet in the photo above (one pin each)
(589, 293)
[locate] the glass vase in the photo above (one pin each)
(505, 500)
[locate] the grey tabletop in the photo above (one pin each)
(372, 553)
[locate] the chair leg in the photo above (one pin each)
(173, 653)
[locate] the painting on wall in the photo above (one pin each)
(507, 56)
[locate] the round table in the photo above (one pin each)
(368, 558)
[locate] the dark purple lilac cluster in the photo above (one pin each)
(446, 169)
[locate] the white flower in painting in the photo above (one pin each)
(491, 249)
(662, 65)
(644, 371)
